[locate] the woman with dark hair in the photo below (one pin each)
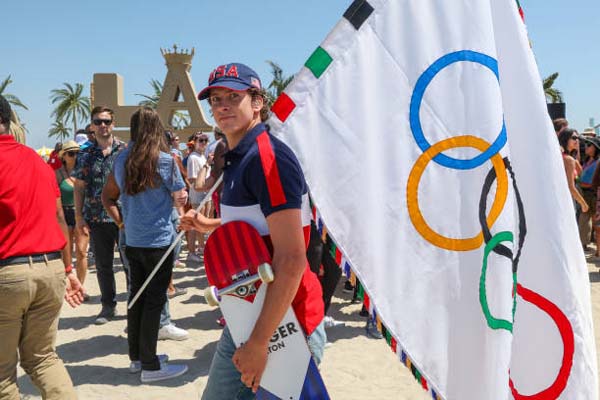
(149, 184)
(588, 182)
(569, 143)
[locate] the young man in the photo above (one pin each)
(32, 280)
(94, 164)
(274, 199)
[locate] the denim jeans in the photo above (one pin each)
(224, 379)
(165, 315)
(106, 237)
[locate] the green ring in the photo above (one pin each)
(496, 323)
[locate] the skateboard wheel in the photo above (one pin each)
(265, 273)
(211, 296)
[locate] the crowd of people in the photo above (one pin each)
(580, 153)
(101, 195)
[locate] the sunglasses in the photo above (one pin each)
(99, 122)
(71, 153)
(202, 140)
(575, 137)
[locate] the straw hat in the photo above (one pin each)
(71, 145)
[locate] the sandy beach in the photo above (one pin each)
(354, 366)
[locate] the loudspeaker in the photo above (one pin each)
(557, 110)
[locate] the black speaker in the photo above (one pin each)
(557, 110)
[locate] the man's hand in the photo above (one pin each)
(74, 291)
(82, 226)
(251, 359)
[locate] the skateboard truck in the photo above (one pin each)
(241, 288)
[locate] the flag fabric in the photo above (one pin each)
(422, 130)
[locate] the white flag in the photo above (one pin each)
(422, 130)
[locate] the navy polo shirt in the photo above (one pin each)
(261, 176)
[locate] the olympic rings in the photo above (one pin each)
(501, 249)
(417, 98)
(412, 193)
(493, 322)
(566, 333)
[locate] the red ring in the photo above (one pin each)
(566, 333)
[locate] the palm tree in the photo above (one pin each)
(179, 120)
(59, 130)
(12, 99)
(551, 93)
(278, 84)
(72, 104)
(152, 100)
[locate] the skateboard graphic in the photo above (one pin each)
(238, 269)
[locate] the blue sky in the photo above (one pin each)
(48, 43)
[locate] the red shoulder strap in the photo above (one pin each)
(269, 166)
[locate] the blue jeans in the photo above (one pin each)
(224, 379)
(165, 315)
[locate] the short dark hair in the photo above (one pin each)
(100, 109)
(560, 123)
(5, 112)
(260, 93)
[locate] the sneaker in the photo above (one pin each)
(166, 371)
(177, 292)
(194, 257)
(348, 288)
(327, 345)
(171, 332)
(371, 330)
(136, 366)
(330, 322)
(107, 314)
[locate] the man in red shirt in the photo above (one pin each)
(32, 276)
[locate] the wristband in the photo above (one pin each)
(120, 225)
(68, 269)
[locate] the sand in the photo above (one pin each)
(354, 366)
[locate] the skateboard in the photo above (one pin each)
(238, 269)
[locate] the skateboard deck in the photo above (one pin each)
(237, 264)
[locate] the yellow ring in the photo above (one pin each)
(412, 193)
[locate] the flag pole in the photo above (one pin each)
(177, 240)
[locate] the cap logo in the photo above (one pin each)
(221, 71)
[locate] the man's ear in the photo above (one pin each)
(257, 103)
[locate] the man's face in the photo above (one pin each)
(201, 143)
(233, 111)
(102, 124)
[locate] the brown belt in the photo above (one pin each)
(32, 258)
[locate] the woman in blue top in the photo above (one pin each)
(588, 189)
(148, 183)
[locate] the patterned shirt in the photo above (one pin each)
(93, 168)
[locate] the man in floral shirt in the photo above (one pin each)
(93, 166)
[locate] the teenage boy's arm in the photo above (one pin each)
(289, 263)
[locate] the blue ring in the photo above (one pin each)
(417, 97)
